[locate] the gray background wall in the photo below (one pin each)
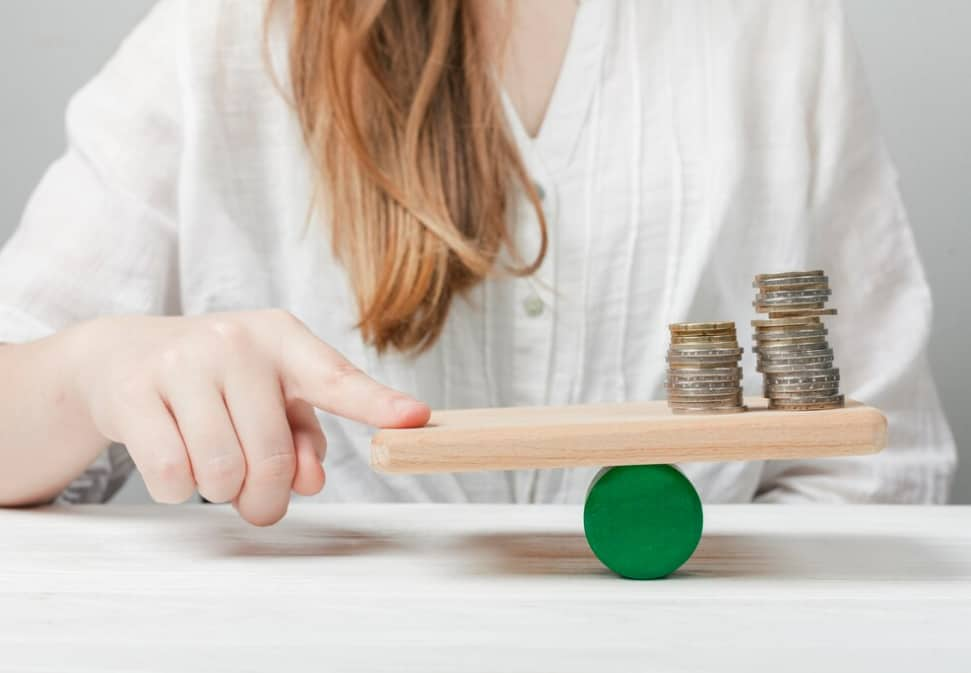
(918, 56)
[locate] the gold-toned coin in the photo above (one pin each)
(705, 339)
(788, 306)
(700, 411)
(723, 392)
(708, 350)
(702, 364)
(835, 403)
(705, 374)
(734, 397)
(721, 327)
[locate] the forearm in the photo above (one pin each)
(47, 436)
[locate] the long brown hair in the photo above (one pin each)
(401, 111)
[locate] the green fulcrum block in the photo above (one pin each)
(642, 521)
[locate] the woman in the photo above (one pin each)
(473, 204)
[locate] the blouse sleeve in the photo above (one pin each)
(861, 235)
(99, 234)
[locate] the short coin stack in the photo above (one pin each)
(703, 372)
(794, 356)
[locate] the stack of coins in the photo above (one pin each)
(794, 356)
(703, 372)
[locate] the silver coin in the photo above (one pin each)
(772, 368)
(779, 294)
(791, 298)
(720, 380)
(704, 387)
(686, 372)
(729, 384)
(801, 395)
(770, 337)
(795, 379)
(778, 334)
(797, 285)
(800, 344)
(770, 304)
(793, 364)
(790, 351)
(785, 275)
(794, 354)
(735, 396)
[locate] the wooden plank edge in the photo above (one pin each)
(633, 442)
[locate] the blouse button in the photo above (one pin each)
(540, 192)
(533, 306)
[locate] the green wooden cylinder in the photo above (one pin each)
(642, 521)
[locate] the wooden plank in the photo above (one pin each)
(622, 434)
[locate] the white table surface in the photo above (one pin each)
(479, 588)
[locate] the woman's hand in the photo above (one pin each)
(224, 404)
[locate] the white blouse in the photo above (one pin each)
(687, 147)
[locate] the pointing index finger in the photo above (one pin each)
(316, 373)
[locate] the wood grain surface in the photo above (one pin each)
(622, 434)
(456, 588)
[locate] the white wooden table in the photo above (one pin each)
(479, 588)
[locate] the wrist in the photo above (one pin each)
(79, 363)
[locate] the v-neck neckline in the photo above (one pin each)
(573, 91)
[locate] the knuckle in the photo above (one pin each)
(229, 332)
(169, 470)
(341, 372)
(173, 359)
(220, 478)
(274, 468)
(168, 481)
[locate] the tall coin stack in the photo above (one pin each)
(794, 356)
(703, 372)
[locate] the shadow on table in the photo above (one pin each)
(221, 533)
(876, 558)
(870, 557)
(531, 554)
(302, 541)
